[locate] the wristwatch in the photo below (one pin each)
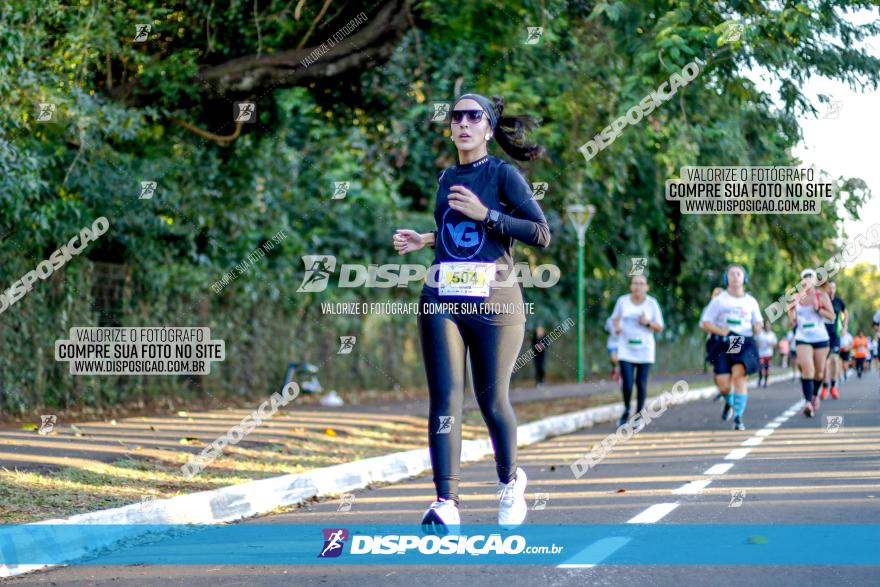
(492, 219)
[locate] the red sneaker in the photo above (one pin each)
(824, 392)
(834, 393)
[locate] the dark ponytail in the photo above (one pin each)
(510, 132)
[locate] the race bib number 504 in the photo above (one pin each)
(466, 279)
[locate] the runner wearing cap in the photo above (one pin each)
(766, 340)
(807, 314)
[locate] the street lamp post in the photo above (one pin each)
(580, 217)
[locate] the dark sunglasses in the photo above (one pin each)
(473, 116)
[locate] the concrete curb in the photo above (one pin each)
(236, 502)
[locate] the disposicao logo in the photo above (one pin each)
(318, 270)
(334, 541)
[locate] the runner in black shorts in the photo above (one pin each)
(810, 308)
(834, 328)
(483, 205)
(733, 316)
(846, 344)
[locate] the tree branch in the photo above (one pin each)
(374, 40)
(222, 140)
(314, 24)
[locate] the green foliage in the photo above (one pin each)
(215, 204)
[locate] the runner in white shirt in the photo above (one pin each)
(636, 317)
(807, 315)
(872, 349)
(846, 344)
(766, 340)
(876, 324)
(792, 351)
(734, 316)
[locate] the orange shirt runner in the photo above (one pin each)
(860, 347)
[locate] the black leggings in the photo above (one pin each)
(626, 385)
(493, 351)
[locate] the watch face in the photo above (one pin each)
(494, 216)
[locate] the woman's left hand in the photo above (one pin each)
(467, 202)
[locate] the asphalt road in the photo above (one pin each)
(799, 473)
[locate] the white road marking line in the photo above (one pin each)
(737, 453)
(719, 469)
(692, 487)
(653, 514)
(602, 549)
(598, 551)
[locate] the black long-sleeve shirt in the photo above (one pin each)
(500, 186)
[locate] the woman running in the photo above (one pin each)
(811, 338)
(483, 205)
(874, 352)
(834, 328)
(860, 352)
(766, 340)
(783, 352)
(636, 317)
(846, 345)
(734, 316)
(792, 352)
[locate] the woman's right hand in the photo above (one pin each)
(407, 241)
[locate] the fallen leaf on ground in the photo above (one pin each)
(757, 539)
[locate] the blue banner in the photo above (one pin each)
(301, 544)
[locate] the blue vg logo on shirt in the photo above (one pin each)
(464, 234)
(462, 237)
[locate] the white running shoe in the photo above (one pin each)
(512, 508)
(438, 518)
(638, 423)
